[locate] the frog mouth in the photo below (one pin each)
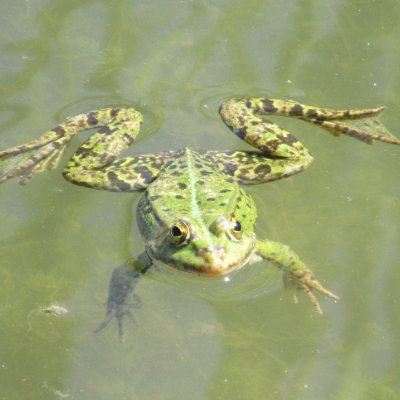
(216, 262)
(212, 261)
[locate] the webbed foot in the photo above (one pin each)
(30, 159)
(361, 124)
(296, 275)
(119, 311)
(121, 298)
(305, 281)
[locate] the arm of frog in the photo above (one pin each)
(296, 274)
(121, 298)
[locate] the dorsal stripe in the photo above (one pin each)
(196, 212)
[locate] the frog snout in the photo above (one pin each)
(217, 249)
(214, 257)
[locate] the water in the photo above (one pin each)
(176, 60)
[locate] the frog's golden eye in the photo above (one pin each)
(235, 229)
(179, 233)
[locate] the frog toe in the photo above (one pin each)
(119, 312)
(29, 162)
(307, 283)
(312, 284)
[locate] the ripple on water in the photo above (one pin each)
(260, 279)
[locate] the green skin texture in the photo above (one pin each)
(193, 214)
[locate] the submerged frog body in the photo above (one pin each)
(194, 214)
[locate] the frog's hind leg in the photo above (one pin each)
(122, 175)
(118, 128)
(95, 163)
(27, 160)
(251, 167)
(362, 124)
(244, 118)
(280, 153)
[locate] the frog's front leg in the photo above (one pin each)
(296, 275)
(121, 298)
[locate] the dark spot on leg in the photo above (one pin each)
(230, 168)
(146, 175)
(288, 139)
(311, 113)
(128, 138)
(114, 112)
(115, 181)
(105, 130)
(262, 169)
(241, 133)
(59, 130)
(273, 144)
(268, 106)
(296, 110)
(92, 119)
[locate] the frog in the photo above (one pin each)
(194, 213)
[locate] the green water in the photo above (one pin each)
(197, 339)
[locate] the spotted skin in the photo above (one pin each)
(193, 215)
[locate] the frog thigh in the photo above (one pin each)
(247, 122)
(252, 167)
(126, 174)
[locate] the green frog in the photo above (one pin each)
(194, 214)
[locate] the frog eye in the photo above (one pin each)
(179, 233)
(235, 229)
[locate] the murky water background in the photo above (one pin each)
(196, 338)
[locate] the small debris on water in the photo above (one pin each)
(55, 310)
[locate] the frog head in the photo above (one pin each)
(212, 240)
(214, 249)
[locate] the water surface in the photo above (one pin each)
(176, 61)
